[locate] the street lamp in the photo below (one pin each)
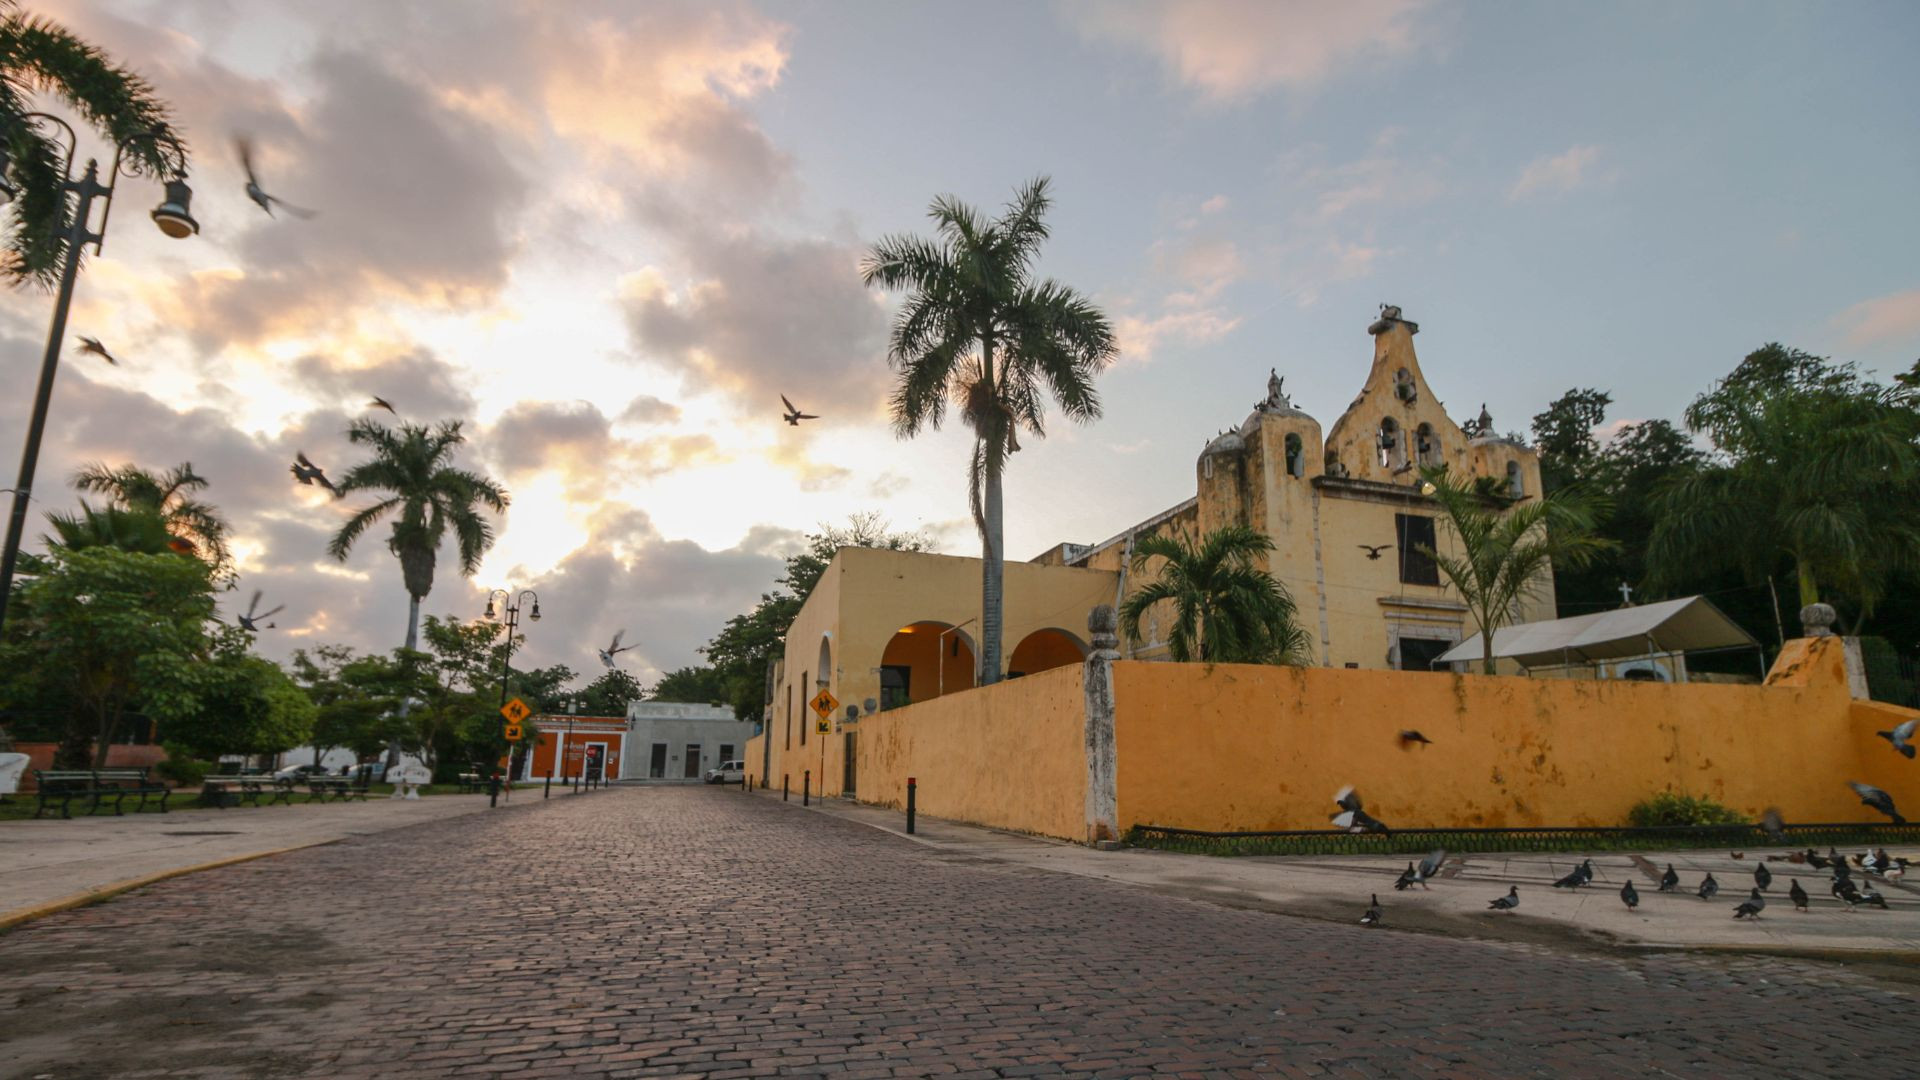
(510, 605)
(173, 216)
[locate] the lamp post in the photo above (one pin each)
(174, 218)
(510, 614)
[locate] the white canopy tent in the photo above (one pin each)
(1689, 624)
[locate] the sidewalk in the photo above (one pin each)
(52, 862)
(1336, 888)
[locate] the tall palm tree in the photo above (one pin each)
(38, 55)
(1507, 552)
(139, 531)
(1227, 609)
(980, 331)
(167, 497)
(428, 497)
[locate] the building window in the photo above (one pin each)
(896, 686)
(1403, 387)
(1296, 456)
(1516, 484)
(789, 745)
(726, 751)
(1391, 452)
(1418, 654)
(803, 718)
(1426, 445)
(1416, 536)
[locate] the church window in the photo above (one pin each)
(1516, 484)
(1296, 457)
(1427, 445)
(1416, 535)
(1392, 454)
(1403, 387)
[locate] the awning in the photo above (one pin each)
(1689, 624)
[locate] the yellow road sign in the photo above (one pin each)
(515, 711)
(513, 733)
(824, 704)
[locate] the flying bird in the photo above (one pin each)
(309, 474)
(92, 345)
(1751, 907)
(1797, 894)
(1430, 867)
(244, 147)
(1899, 736)
(1507, 902)
(250, 621)
(1771, 823)
(1709, 887)
(1373, 913)
(1410, 736)
(1630, 896)
(1581, 875)
(1373, 550)
(1762, 877)
(615, 649)
(382, 403)
(793, 415)
(1669, 881)
(1353, 817)
(1877, 799)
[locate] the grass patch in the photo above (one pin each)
(20, 806)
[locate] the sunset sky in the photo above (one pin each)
(609, 235)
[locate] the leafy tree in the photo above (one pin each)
(1507, 552)
(978, 329)
(168, 496)
(137, 531)
(428, 498)
(1815, 467)
(1226, 608)
(242, 705)
(865, 529)
(699, 685)
(609, 694)
(38, 56)
(1564, 436)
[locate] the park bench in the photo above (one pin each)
(96, 785)
(225, 791)
(341, 788)
(471, 782)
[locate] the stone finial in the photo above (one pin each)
(1817, 620)
(1104, 627)
(1390, 315)
(1276, 394)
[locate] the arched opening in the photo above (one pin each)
(1045, 649)
(923, 661)
(824, 669)
(1403, 387)
(1427, 445)
(1296, 456)
(1516, 481)
(1392, 453)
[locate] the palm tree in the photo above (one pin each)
(139, 531)
(1227, 609)
(167, 497)
(1507, 552)
(40, 56)
(428, 497)
(979, 330)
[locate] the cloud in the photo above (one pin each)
(421, 387)
(1558, 174)
(1233, 50)
(1889, 318)
(647, 409)
(1214, 205)
(1141, 337)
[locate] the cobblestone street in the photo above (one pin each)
(700, 932)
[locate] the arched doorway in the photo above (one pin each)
(923, 661)
(1043, 650)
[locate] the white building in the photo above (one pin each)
(670, 740)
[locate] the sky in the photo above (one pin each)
(608, 236)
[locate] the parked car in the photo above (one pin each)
(299, 772)
(728, 772)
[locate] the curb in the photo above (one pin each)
(21, 916)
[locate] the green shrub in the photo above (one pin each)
(180, 766)
(1670, 809)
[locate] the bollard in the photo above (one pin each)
(785, 781)
(806, 788)
(493, 791)
(546, 792)
(911, 789)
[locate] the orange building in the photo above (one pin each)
(569, 744)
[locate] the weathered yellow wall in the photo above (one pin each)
(1009, 755)
(1244, 747)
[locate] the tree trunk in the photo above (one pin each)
(413, 643)
(992, 570)
(103, 739)
(1809, 591)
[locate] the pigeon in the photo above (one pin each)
(382, 403)
(615, 649)
(250, 621)
(1430, 866)
(1405, 879)
(1899, 736)
(1844, 891)
(1873, 861)
(1352, 817)
(1507, 902)
(1797, 894)
(308, 473)
(1772, 825)
(1581, 875)
(1762, 877)
(92, 345)
(244, 147)
(1410, 737)
(1373, 550)
(1817, 861)
(793, 415)
(1669, 881)
(1630, 896)
(1751, 907)
(1877, 799)
(1372, 916)
(1709, 887)
(1868, 895)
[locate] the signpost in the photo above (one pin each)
(824, 704)
(515, 711)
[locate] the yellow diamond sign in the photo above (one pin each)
(824, 704)
(515, 711)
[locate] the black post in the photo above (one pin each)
(493, 790)
(806, 788)
(785, 780)
(547, 791)
(77, 237)
(911, 789)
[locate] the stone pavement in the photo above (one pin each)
(703, 932)
(51, 859)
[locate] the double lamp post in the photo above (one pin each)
(509, 612)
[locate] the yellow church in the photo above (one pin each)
(884, 629)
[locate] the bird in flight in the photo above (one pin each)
(250, 621)
(1373, 550)
(793, 415)
(1352, 817)
(614, 649)
(383, 403)
(92, 345)
(1410, 736)
(309, 474)
(1899, 736)
(1877, 799)
(244, 147)
(1772, 824)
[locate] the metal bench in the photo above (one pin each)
(471, 782)
(225, 791)
(96, 786)
(341, 788)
